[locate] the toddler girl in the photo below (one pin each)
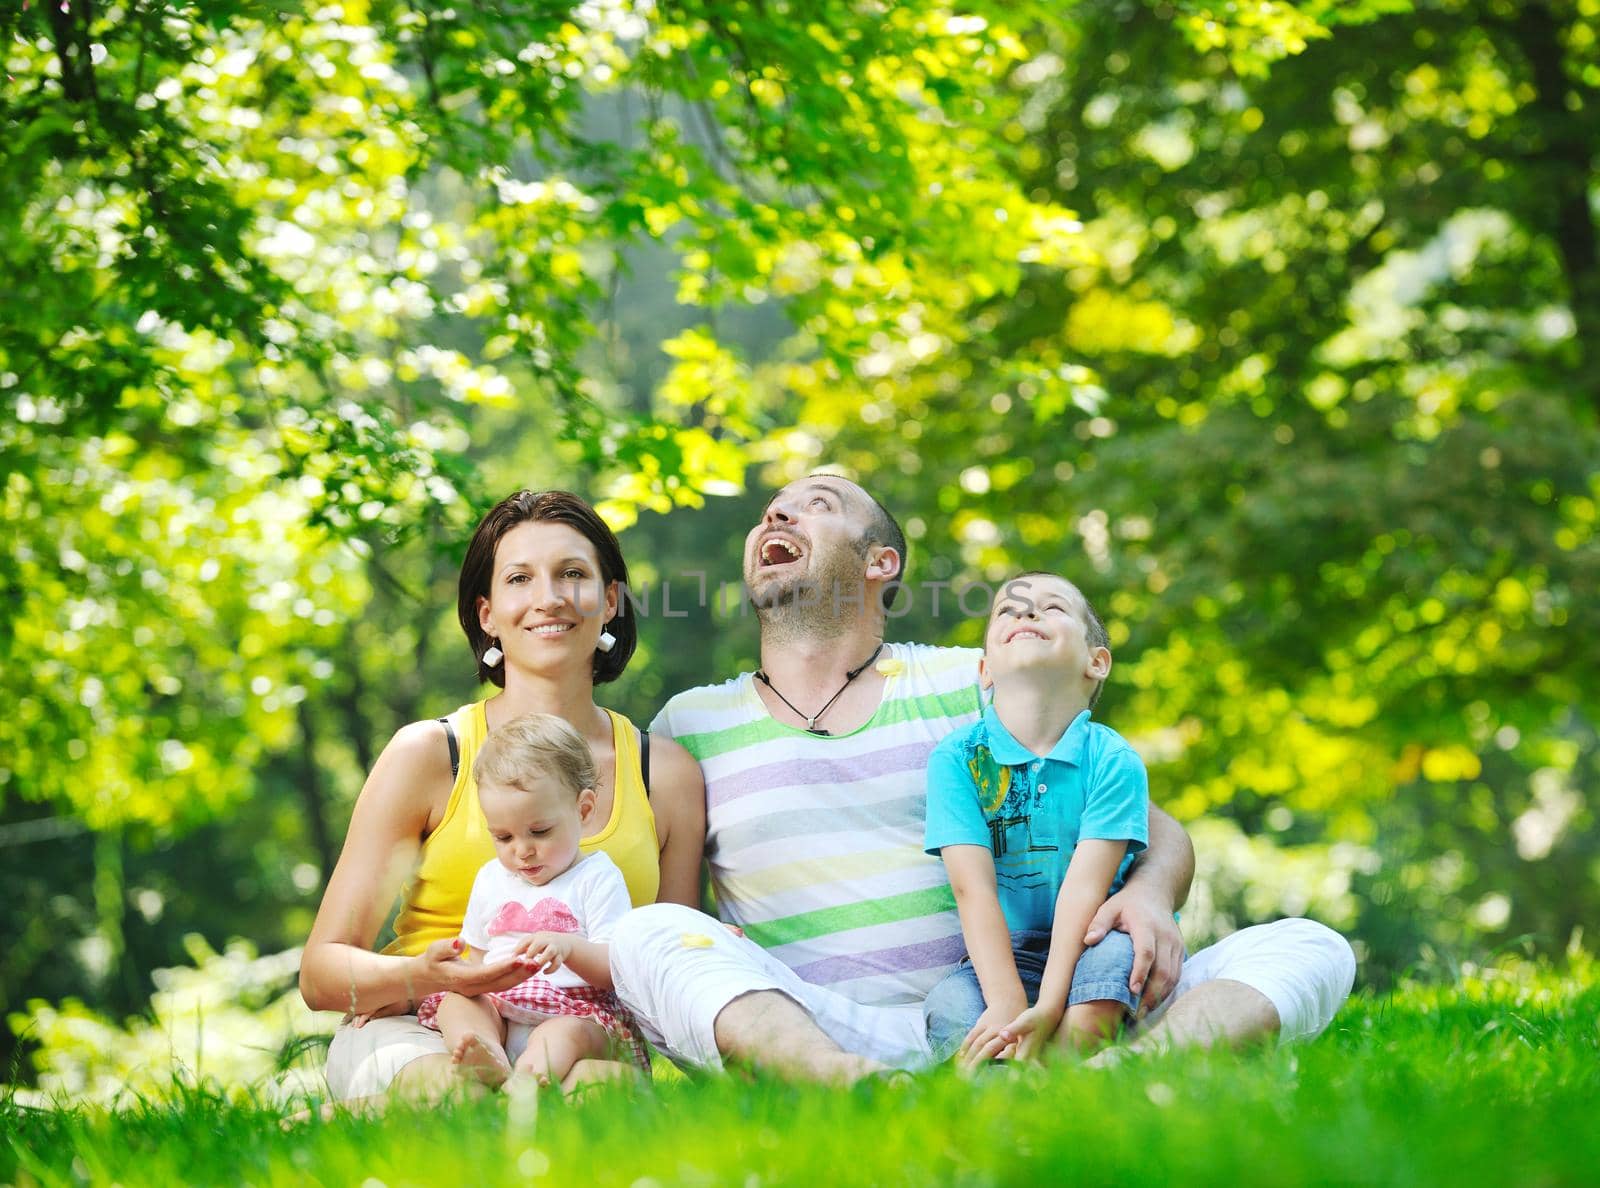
(539, 899)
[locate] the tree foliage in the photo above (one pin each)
(1273, 322)
(1315, 416)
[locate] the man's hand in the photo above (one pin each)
(1146, 916)
(985, 1042)
(1031, 1031)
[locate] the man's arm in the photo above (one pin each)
(1157, 886)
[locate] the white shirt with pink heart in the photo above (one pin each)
(588, 898)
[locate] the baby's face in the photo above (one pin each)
(1037, 622)
(536, 830)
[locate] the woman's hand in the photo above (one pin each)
(985, 1042)
(443, 968)
(388, 1010)
(1031, 1031)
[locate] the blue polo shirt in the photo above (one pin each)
(987, 789)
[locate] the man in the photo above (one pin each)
(815, 768)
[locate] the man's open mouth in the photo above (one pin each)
(776, 550)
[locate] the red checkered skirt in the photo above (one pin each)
(536, 999)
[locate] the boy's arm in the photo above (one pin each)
(1156, 887)
(957, 831)
(988, 941)
(1093, 867)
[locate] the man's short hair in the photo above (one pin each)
(882, 529)
(885, 530)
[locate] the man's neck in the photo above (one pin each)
(808, 682)
(1036, 713)
(814, 663)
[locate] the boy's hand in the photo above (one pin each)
(547, 951)
(1031, 1031)
(985, 1042)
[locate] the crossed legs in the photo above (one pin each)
(1219, 1012)
(767, 1029)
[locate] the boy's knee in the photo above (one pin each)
(1089, 1025)
(949, 1012)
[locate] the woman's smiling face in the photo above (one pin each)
(547, 599)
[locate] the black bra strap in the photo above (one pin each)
(644, 761)
(455, 747)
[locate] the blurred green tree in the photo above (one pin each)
(1275, 322)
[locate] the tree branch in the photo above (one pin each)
(1563, 160)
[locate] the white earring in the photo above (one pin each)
(607, 641)
(492, 658)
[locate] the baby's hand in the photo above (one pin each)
(547, 951)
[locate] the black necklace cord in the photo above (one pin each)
(811, 721)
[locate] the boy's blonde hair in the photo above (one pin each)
(534, 746)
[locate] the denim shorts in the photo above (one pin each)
(1101, 975)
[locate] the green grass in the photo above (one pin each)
(1494, 1081)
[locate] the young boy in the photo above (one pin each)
(1037, 812)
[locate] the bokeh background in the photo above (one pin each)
(1276, 325)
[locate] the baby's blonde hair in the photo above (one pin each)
(534, 746)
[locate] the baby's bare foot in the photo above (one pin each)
(479, 1061)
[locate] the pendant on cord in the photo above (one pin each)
(811, 721)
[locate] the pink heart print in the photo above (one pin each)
(548, 915)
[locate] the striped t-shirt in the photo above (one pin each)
(815, 842)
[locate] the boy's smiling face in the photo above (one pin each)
(1038, 626)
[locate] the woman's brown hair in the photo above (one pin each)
(544, 507)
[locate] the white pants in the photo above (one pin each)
(363, 1061)
(676, 969)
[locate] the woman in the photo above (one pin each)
(540, 600)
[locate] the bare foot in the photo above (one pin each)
(1112, 1055)
(334, 1111)
(473, 1059)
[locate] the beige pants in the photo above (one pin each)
(363, 1061)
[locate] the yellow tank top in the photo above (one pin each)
(435, 899)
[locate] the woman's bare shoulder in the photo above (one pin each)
(414, 768)
(669, 757)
